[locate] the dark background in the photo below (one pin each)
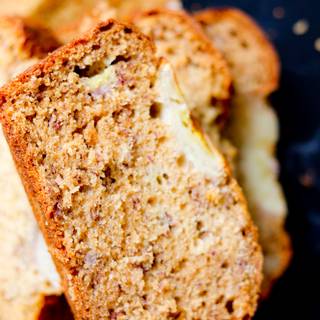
(297, 294)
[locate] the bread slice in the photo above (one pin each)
(251, 57)
(140, 213)
(27, 272)
(201, 70)
(254, 128)
(67, 19)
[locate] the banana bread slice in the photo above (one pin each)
(27, 273)
(139, 211)
(254, 128)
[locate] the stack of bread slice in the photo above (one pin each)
(140, 210)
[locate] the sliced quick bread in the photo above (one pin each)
(140, 212)
(251, 57)
(254, 128)
(27, 273)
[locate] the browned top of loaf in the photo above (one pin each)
(137, 229)
(22, 45)
(252, 59)
(28, 40)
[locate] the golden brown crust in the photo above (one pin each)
(33, 40)
(83, 258)
(265, 54)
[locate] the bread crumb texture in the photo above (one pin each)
(137, 227)
(201, 71)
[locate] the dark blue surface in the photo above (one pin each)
(297, 294)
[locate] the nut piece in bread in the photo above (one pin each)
(254, 129)
(140, 212)
(27, 272)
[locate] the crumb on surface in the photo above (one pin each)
(308, 179)
(278, 12)
(301, 27)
